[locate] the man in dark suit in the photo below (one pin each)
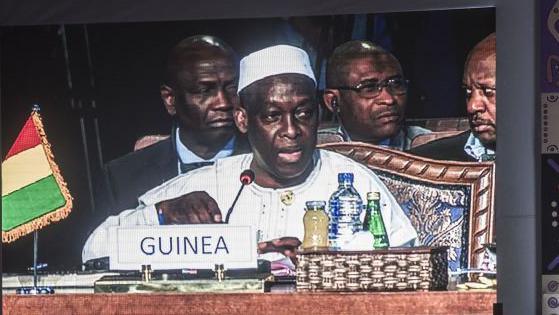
(480, 142)
(199, 91)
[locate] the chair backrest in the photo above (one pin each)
(449, 203)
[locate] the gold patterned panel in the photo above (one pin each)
(404, 168)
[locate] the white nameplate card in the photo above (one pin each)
(193, 246)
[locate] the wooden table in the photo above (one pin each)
(255, 303)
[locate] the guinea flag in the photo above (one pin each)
(34, 193)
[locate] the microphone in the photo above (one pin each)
(246, 178)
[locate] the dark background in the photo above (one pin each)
(115, 73)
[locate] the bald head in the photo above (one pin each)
(191, 50)
(338, 64)
(484, 51)
(200, 91)
(479, 81)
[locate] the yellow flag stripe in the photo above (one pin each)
(24, 169)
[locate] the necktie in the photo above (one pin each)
(487, 157)
(186, 167)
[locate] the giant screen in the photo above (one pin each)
(100, 88)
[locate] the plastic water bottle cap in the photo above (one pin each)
(343, 177)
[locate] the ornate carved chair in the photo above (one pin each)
(449, 203)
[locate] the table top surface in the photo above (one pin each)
(439, 302)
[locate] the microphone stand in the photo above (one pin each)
(233, 204)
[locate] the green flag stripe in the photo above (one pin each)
(31, 202)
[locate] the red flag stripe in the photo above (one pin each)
(28, 138)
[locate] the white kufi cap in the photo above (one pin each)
(273, 60)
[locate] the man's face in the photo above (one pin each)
(281, 124)
(372, 119)
(479, 82)
(206, 94)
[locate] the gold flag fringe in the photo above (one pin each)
(53, 216)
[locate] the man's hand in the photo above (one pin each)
(285, 245)
(192, 208)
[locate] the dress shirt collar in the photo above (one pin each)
(475, 149)
(186, 156)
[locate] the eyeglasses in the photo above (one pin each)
(371, 89)
(487, 91)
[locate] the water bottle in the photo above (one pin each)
(344, 209)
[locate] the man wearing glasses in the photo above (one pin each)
(479, 143)
(367, 91)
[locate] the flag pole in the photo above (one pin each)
(35, 249)
(36, 108)
(35, 289)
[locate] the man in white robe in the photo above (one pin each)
(279, 114)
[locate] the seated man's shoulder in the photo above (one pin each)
(329, 135)
(458, 139)
(442, 146)
(225, 171)
(129, 176)
(414, 131)
(230, 164)
(155, 153)
(328, 129)
(340, 163)
(327, 155)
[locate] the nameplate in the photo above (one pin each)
(193, 246)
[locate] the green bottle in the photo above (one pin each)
(367, 218)
(376, 224)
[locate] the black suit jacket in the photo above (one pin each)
(449, 148)
(130, 176)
